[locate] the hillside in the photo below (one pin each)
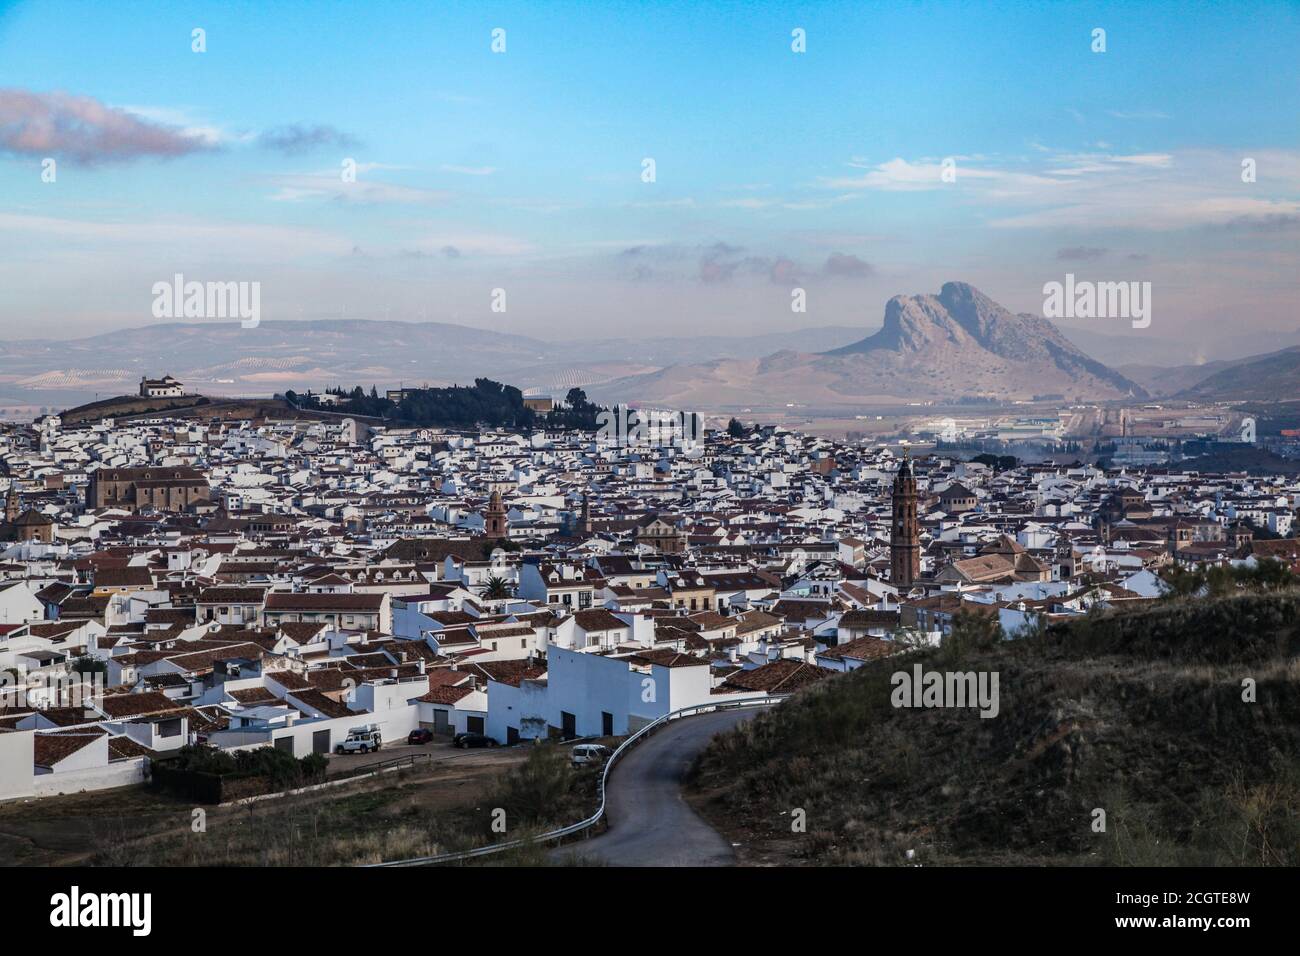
(1161, 380)
(1250, 459)
(1139, 713)
(1263, 377)
(126, 407)
(930, 347)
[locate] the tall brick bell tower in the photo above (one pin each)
(495, 520)
(904, 538)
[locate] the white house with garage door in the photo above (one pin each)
(600, 695)
(390, 703)
(456, 703)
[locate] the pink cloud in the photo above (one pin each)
(83, 130)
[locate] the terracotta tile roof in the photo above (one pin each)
(754, 621)
(315, 700)
(301, 632)
(50, 749)
(778, 677)
(510, 672)
(252, 696)
(863, 649)
(289, 680)
(124, 748)
(361, 601)
(134, 576)
(869, 618)
(446, 694)
(795, 610)
(666, 657)
(121, 706)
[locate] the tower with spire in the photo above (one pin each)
(586, 513)
(904, 536)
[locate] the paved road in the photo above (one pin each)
(649, 822)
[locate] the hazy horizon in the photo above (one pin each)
(522, 170)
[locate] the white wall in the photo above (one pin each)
(16, 753)
(588, 686)
(394, 726)
(123, 773)
(18, 605)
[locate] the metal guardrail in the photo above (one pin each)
(379, 766)
(595, 818)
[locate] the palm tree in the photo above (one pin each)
(496, 588)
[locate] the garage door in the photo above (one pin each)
(320, 742)
(285, 744)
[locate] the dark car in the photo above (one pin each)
(420, 735)
(473, 740)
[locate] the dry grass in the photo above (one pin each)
(1139, 714)
(397, 817)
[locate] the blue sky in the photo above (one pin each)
(522, 170)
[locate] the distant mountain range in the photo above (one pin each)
(944, 347)
(957, 344)
(222, 358)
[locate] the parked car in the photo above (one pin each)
(360, 740)
(586, 755)
(420, 735)
(472, 740)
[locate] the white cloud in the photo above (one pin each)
(234, 239)
(330, 186)
(475, 244)
(1102, 189)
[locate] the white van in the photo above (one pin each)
(588, 755)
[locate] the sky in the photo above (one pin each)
(524, 170)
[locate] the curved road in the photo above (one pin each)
(649, 822)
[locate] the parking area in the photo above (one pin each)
(439, 748)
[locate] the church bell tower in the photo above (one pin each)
(904, 538)
(495, 522)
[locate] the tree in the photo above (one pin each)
(1260, 532)
(1268, 574)
(1221, 580)
(1180, 582)
(87, 665)
(577, 412)
(972, 630)
(497, 588)
(735, 429)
